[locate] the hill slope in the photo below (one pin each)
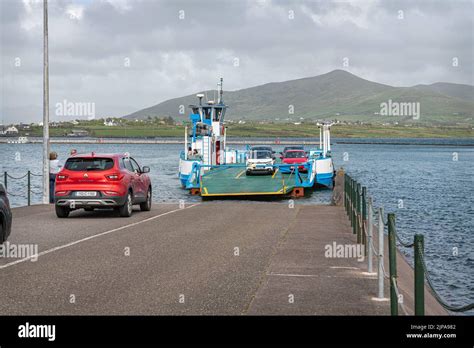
(335, 95)
(464, 92)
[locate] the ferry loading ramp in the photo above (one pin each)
(233, 181)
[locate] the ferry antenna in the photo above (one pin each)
(219, 87)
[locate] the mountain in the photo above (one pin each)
(464, 92)
(335, 95)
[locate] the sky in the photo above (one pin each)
(120, 56)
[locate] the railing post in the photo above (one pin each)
(419, 276)
(29, 188)
(5, 181)
(353, 209)
(392, 256)
(345, 192)
(359, 210)
(296, 175)
(352, 205)
(381, 253)
(364, 218)
(369, 237)
(347, 195)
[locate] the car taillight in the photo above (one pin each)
(112, 193)
(61, 177)
(113, 177)
(61, 193)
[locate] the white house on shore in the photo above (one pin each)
(12, 130)
(110, 122)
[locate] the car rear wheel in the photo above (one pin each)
(146, 206)
(62, 212)
(126, 209)
(2, 232)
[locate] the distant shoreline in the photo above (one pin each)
(242, 141)
(288, 132)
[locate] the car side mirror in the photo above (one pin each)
(145, 169)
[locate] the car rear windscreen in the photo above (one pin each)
(259, 154)
(89, 164)
(295, 154)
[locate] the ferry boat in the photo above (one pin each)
(205, 143)
(207, 167)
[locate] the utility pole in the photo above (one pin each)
(45, 105)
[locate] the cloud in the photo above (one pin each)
(124, 55)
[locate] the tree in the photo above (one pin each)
(169, 120)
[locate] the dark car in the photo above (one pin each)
(292, 147)
(5, 215)
(96, 181)
(263, 148)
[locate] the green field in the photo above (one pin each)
(348, 131)
(277, 130)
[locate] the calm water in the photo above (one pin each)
(430, 188)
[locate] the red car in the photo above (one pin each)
(5, 215)
(294, 157)
(92, 180)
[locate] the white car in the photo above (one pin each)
(260, 161)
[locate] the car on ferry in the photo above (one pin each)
(97, 181)
(260, 161)
(5, 215)
(294, 156)
(263, 148)
(291, 147)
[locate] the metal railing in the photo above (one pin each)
(29, 190)
(360, 210)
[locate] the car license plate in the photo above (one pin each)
(86, 194)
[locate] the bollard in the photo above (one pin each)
(29, 188)
(381, 252)
(392, 256)
(5, 180)
(369, 237)
(419, 276)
